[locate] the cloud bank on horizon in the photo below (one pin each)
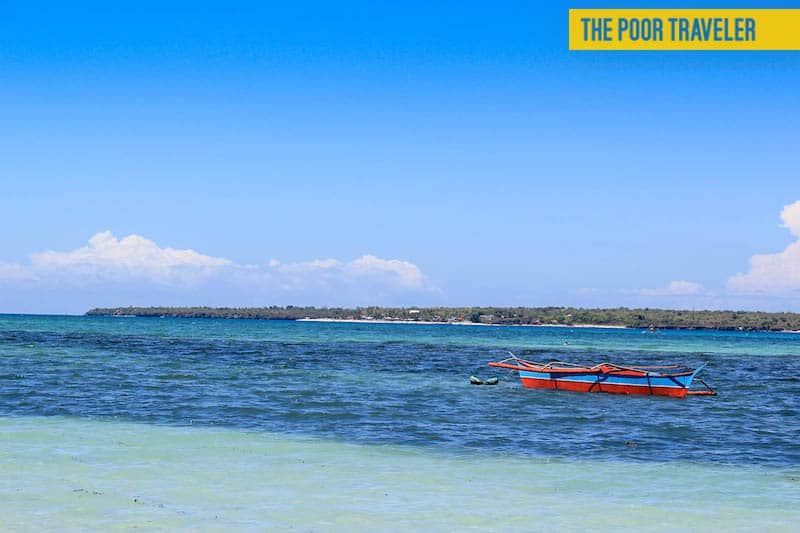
(770, 275)
(135, 262)
(135, 270)
(675, 288)
(775, 274)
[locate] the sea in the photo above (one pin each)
(200, 424)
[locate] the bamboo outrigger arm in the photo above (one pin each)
(708, 391)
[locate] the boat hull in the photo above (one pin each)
(650, 386)
(606, 377)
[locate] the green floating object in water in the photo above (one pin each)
(475, 381)
(492, 381)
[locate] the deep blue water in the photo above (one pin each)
(407, 384)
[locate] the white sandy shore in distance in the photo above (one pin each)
(465, 323)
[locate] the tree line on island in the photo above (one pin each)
(565, 316)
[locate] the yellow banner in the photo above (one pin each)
(684, 29)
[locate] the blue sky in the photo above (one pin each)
(403, 153)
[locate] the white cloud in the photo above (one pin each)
(403, 273)
(777, 273)
(675, 288)
(15, 272)
(107, 258)
(366, 270)
(791, 218)
(110, 261)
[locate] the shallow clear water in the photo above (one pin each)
(215, 423)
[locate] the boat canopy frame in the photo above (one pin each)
(525, 364)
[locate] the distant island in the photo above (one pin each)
(509, 316)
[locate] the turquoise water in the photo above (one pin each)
(214, 424)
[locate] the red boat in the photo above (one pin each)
(672, 380)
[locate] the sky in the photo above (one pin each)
(403, 153)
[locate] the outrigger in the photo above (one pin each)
(671, 380)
